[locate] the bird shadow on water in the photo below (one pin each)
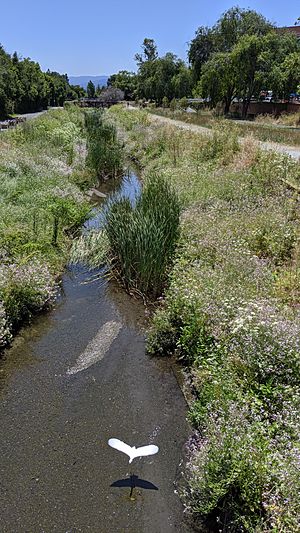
(134, 482)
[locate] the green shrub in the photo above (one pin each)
(165, 102)
(104, 152)
(143, 237)
(239, 346)
(41, 207)
(25, 288)
(183, 103)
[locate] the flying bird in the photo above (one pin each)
(132, 451)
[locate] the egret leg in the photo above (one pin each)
(132, 485)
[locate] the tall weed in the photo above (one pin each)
(104, 152)
(143, 237)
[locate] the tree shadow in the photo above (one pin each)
(133, 482)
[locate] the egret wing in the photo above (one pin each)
(121, 446)
(151, 449)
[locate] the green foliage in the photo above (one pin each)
(143, 237)
(91, 90)
(40, 209)
(173, 104)
(239, 344)
(224, 35)
(218, 80)
(165, 102)
(254, 63)
(104, 155)
(149, 52)
(183, 103)
(28, 287)
(126, 81)
(241, 56)
(25, 88)
(162, 77)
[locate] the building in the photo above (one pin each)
(292, 29)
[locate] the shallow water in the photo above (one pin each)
(76, 377)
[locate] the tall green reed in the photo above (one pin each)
(104, 152)
(143, 237)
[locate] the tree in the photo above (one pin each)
(161, 77)
(201, 48)
(25, 88)
(224, 35)
(246, 57)
(7, 84)
(237, 22)
(126, 81)
(59, 89)
(112, 94)
(149, 52)
(32, 88)
(91, 91)
(99, 90)
(285, 78)
(255, 63)
(219, 80)
(182, 81)
(78, 91)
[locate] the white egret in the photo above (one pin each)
(132, 451)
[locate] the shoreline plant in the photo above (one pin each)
(138, 238)
(234, 330)
(104, 151)
(42, 172)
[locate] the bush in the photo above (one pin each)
(143, 238)
(104, 152)
(41, 207)
(165, 102)
(238, 344)
(183, 103)
(25, 289)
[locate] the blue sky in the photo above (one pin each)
(101, 37)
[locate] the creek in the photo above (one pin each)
(77, 376)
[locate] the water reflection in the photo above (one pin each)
(127, 187)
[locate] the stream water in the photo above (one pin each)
(77, 376)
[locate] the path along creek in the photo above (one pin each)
(75, 377)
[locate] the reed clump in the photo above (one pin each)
(104, 151)
(143, 237)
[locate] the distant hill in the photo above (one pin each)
(83, 80)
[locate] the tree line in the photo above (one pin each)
(24, 88)
(240, 56)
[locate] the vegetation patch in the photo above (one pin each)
(262, 129)
(42, 174)
(138, 239)
(104, 151)
(233, 327)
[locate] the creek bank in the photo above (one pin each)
(231, 322)
(56, 423)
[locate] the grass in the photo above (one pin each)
(42, 174)
(143, 237)
(263, 129)
(104, 152)
(231, 315)
(138, 239)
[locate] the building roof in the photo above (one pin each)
(292, 29)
